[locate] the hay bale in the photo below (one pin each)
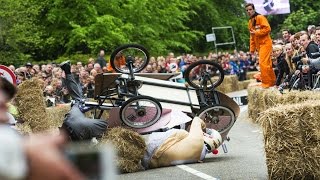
(250, 74)
(265, 98)
(56, 115)
(255, 102)
(31, 105)
(244, 84)
(229, 84)
(130, 147)
(291, 146)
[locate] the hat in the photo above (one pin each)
(212, 139)
(29, 64)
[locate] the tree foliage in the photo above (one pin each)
(41, 30)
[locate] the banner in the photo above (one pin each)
(267, 7)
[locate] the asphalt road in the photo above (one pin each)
(245, 159)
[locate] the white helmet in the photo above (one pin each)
(212, 139)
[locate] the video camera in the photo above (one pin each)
(315, 55)
(297, 59)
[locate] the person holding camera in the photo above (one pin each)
(310, 46)
(261, 42)
(38, 156)
(312, 52)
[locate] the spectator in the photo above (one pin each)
(79, 65)
(97, 68)
(89, 67)
(289, 52)
(22, 153)
(13, 69)
(243, 66)
(282, 65)
(48, 70)
(260, 41)
(309, 45)
(317, 41)
(93, 73)
(43, 67)
(286, 36)
(311, 32)
(101, 60)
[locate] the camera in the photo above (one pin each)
(95, 162)
(297, 58)
(315, 55)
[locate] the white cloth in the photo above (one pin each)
(12, 120)
(13, 165)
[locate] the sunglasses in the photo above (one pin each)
(208, 147)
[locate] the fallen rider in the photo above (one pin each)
(75, 124)
(172, 147)
(138, 152)
(177, 146)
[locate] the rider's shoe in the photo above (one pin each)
(66, 67)
(84, 108)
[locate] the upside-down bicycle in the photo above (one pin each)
(140, 103)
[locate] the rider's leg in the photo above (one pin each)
(75, 123)
(80, 127)
(73, 87)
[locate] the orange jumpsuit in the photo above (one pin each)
(262, 43)
(118, 62)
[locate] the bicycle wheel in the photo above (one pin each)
(205, 74)
(218, 117)
(140, 112)
(139, 55)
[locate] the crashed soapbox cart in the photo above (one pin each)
(142, 99)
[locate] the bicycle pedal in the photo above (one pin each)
(224, 148)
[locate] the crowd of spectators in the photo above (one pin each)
(295, 56)
(51, 75)
(290, 56)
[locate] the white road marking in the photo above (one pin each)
(243, 108)
(196, 173)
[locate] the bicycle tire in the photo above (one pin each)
(128, 116)
(137, 47)
(220, 126)
(193, 66)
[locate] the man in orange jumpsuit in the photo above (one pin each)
(261, 42)
(119, 62)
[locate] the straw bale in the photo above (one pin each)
(24, 128)
(252, 113)
(128, 166)
(229, 84)
(266, 98)
(291, 137)
(255, 102)
(250, 74)
(311, 157)
(31, 105)
(130, 147)
(56, 115)
(244, 84)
